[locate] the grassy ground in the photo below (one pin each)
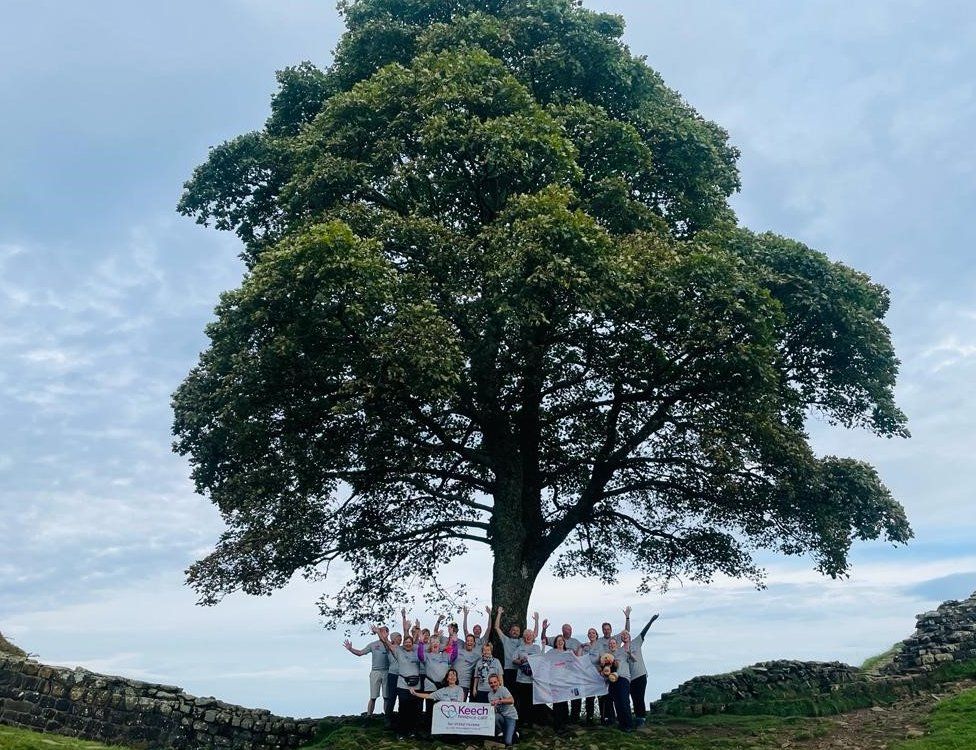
(876, 662)
(706, 733)
(24, 739)
(952, 726)
(7, 647)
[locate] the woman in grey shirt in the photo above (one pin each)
(620, 687)
(408, 664)
(451, 692)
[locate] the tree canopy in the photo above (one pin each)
(495, 295)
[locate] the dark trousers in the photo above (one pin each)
(620, 694)
(560, 714)
(410, 708)
(522, 692)
(590, 708)
(391, 699)
(607, 714)
(480, 697)
(576, 707)
(509, 676)
(638, 686)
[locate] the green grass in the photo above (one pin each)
(661, 733)
(7, 647)
(12, 738)
(952, 726)
(878, 660)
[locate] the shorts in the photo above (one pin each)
(377, 684)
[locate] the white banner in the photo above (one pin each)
(463, 718)
(559, 676)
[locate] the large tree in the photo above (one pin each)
(495, 296)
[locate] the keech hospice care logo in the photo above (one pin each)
(461, 710)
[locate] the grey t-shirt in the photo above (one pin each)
(571, 643)
(437, 665)
(409, 664)
(464, 664)
(593, 651)
(521, 652)
(638, 668)
(380, 656)
(452, 693)
(484, 669)
(625, 661)
(506, 710)
(509, 645)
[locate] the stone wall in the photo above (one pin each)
(115, 710)
(765, 683)
(942, 636)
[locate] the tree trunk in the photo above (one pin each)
(514, 543)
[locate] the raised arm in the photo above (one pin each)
(406, 624)
(437, 625)
(542, 637)
(351, 650)
(464, 622)
(535, 622)
(498, 623)
(627, 611)
(648, 626)
(384, 640)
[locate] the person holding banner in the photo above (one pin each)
(572, 644)
(560, 710)
(591, 650)
(510, 643)
(523, 677)
(487, 666)
(451, 691)
(506, 715)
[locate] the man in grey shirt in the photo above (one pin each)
(380, 669)
(506, 714)
(510, 643)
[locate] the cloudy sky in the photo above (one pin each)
(855, 122)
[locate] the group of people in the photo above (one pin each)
(421, 666)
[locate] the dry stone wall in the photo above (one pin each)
(766, 682)
(944, 635)
(115, 710)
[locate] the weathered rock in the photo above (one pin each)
(115, 710)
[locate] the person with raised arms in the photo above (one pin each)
(467, 657)
(484, 668)
(619, 688)
(436, 661)
(409, 670)
(638, 681)
(378, 673)
(510, 643)
(480, 636)
(523, 676)
(506, 715)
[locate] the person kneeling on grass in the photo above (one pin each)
(505, 714)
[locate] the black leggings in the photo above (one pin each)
(560, 712)
(638, 686)
(522, 693)
(410, 706)
(391, 699)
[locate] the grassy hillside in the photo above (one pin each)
(23, 739)
(6, 647)
(952, 726)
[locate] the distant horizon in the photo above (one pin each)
(854, 125)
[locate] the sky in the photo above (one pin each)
(855, 124)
